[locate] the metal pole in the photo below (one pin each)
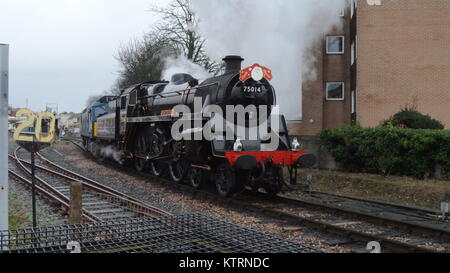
(4, 63)
(33, 187)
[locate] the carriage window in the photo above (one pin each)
(100, 110)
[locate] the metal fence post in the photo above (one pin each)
(4, 52)
(75, 210)
(33, 183)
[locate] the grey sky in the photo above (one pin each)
(61, 51)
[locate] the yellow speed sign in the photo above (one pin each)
(43, 125)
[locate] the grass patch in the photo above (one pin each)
(400, 190)
(18, 216)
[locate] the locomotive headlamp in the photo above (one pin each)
(296, 145)
(238, 145)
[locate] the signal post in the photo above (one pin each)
(4, 63)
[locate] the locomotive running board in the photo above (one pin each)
(166, 118)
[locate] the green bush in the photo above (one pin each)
(389, 150)
(412, 119)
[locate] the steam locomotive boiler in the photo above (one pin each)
(137, 127)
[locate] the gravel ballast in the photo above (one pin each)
(47, 214)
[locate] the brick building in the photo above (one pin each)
(386, 54)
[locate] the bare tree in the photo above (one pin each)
(176, 34)
(142, 60)
(179, 28)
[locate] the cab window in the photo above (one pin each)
(133, 98)
(123, 102)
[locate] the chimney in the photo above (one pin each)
(232, 64)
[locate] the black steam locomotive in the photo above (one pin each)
(137, 127)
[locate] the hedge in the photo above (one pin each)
(390, 151)
(412, 119)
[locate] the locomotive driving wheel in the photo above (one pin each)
(156, 149)
(196, 177)
(141, 149)
(179, 166)
(225, 180)
(177, 170)
(156, 168)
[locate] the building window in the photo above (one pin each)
(353, 55)
(335, 91)
(335, 45)
(342, 13)
(353, 6)
(353, 102)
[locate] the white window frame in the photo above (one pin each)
(353, 7)
(352, 10)
(353, 52)
(353, 102)
(343, 45)
(335, 99)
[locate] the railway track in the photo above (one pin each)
(425, 220)
(403, 217)
(416, 231)
(99, 203)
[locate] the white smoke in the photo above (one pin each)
(182, 65)
(112, 152)
(276, 34)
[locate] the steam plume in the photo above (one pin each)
(183, 65)
(112, 152)
(275, 34)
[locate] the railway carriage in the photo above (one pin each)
(137, 127)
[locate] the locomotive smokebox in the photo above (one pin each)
(233, 64)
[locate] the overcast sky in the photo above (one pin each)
(61, 51)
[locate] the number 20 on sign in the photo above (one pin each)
(37, 123)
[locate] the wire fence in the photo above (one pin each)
(187, 233)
